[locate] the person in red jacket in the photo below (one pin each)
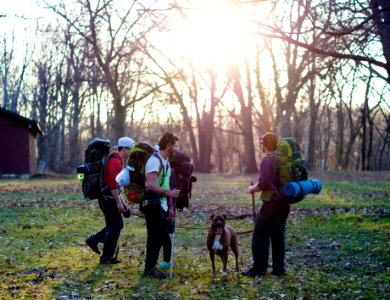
(111, 204)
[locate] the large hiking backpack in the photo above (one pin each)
(90, 173)
(292, 167)
(139, 155)
(183, 167)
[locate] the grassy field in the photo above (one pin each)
(338, 244)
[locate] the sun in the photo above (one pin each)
(215, 33)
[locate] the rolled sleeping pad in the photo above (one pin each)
(303, 187)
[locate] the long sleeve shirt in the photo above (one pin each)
(268, 179)
(113, 167)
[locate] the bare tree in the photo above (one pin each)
(13, 73)
(349, 29)
(114, 44)
(245, 121)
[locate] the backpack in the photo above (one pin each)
(90, 173)
(139, 155)
(290, 166)
(183, 168)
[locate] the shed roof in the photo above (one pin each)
(32, 125)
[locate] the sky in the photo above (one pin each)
(217, 34)
(22, 8)
(18, 15)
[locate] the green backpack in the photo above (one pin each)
(139, 155)
(290, 166)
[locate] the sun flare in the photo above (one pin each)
(215, 33)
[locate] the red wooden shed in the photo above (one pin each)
(18, 144)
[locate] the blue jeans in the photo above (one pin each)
(109, 235)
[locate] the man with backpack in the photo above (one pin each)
(270, 223)
(111, 204)
(157, 205)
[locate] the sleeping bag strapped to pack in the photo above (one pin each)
(90, 173)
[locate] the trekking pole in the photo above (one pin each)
(253, 205)
(172, 250)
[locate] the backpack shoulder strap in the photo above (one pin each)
(276, 173)
(103, 186)
(164, 170)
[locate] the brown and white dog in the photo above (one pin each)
(219, 239)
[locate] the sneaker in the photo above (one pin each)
(185, 209)
(93, 246)
(111, 261)
(153, 272)
(253, 273)
(165, 265)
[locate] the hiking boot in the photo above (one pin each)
(153, 272)
(278, 272)
(93, 246)
(165, 265)
(111, 261)
(253, 273)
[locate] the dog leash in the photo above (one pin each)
(205, 228)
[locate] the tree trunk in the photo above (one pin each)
(340, 133)
(206, 129)
(381, 13)
(246, 120)
(249, 150)
(313, 139)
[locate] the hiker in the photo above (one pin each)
(157, 205)
(270, 223)
(111, 204)
(182, 168)
(169, 226)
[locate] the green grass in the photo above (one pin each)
(337, 245)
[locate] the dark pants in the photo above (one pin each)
(270, 226)
(109, 235)
(157, 235)
(182, 201)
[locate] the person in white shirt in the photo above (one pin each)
(157, 205)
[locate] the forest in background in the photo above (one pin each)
(317, 70)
